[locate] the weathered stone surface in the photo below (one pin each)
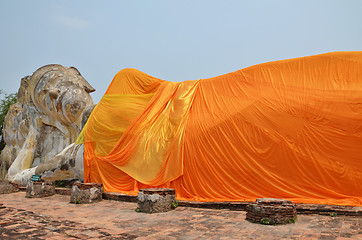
(40, 129)
(8, 187)
(271, 211)
(155, 200)
(15, 130)
(40, 189)
(86, 192)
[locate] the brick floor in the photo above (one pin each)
(55, 218)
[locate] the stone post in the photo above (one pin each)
(86, 192)
(40, 189)
(155, 200)
(271, 211)
(8, 187)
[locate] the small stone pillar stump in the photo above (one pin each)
(8, 187)
(155, 200)
(86, 192)
(40, 189)
(271, 211)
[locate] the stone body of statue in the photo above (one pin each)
(41, 128)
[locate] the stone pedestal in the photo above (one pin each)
(86, 193)
(271, 211)
(154, 200)
(8, 187)
(40, 189)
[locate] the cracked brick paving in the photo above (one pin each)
(55, 218)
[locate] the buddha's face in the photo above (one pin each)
(62, 94)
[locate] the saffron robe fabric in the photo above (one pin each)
(288, 129)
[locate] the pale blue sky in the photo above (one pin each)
(171, 40)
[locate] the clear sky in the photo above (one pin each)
(169, 39)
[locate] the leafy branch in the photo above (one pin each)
(5, 104)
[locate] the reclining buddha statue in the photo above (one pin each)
(41, 128)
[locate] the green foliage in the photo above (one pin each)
(293, 220)
(333, 214)
(77, 202)
(137, 210)
(59, 183)
(5, 104)
(69, 235)
(174, 204)
(264, 221)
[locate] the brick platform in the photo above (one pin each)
(301, 208)
(86, 192)
(239, 206)
(119, 197)
(271, 211)
(63, 191)
(155, 200)
(54, 218)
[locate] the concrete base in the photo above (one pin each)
(86, 193)
(8, 187)
(155, 200)
(271, 211)
(40, 189)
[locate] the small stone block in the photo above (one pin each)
(155, 200)
(40, 189)
(86, 193)
(8, 187)
(271, 211)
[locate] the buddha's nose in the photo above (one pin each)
(53, 93)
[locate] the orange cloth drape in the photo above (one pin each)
(288, 129)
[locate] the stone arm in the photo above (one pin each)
(25, 158)
(68, 164)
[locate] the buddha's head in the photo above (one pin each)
(60, 92)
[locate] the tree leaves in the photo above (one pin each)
(5, 104)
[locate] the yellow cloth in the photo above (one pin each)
(287, 129)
